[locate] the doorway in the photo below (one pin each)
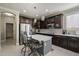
(9, 30)
(9, 34)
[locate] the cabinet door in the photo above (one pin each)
(73, 44)
(43, 25)
(58, 21)
(56, 40)
(64, 42)
(37, 24)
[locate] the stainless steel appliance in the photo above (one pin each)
(25, 28)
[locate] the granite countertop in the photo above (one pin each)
(68, 35)
(40, 37)
(60, 34)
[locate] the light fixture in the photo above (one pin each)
(35, 20)
(36, 15)
(46, 10)
(8, 14)
(24, 10)
(43, 18)
(35, 7)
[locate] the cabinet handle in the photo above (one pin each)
(74, 38)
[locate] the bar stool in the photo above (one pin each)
(25, 43)
(36, 47)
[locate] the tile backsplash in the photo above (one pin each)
(73, 31)
(51, 31)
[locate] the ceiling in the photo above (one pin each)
(37, 10)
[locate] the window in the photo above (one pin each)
(72, 21)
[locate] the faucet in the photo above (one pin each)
(64, 32)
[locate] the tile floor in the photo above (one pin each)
(58, 51)
(13, 50)
(10, 49)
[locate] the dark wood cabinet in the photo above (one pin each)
(25, 20)
(40, 24)
(43, 24)
(37, 24)
(55, 21)
(73, 44)
(56, 40)
(64, 42)
(67, 42)
(60, 41)
(50, 22)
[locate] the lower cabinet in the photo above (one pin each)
(56, 40)
(64, 42)
(67, 42)
(73, 44)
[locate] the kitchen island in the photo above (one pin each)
(47, 42)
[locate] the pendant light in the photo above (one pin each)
(35, 20)
(43, 18)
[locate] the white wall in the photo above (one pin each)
(16, 13)
(7, 19)
(0, 31)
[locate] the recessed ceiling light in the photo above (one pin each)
(24, 10)
(46, 10)
(43, 18)
(36, 15)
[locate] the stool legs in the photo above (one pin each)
(23, 50)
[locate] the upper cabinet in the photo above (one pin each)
(37, 24)
(58, 21)
(50, 22)
(25, 20)
(43, 24)
(55, 21)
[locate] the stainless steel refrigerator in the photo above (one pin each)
(27, 28)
